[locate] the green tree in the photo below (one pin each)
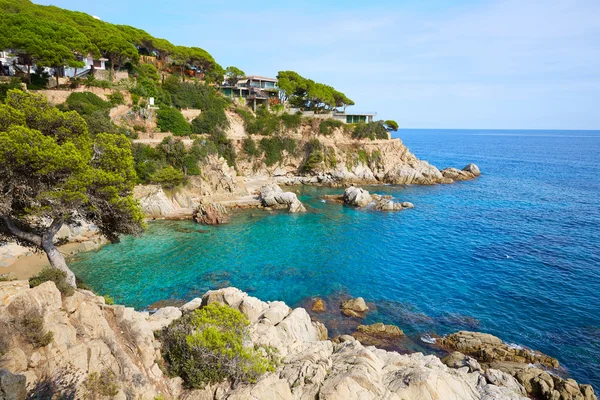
(171, 120)
(391, 124)
(233, 75)
(54, 173)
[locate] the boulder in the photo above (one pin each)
(12, 386)
(163, 317)
(378, 334)
(355, 307)
(469, 172)
(459, 360)
(272, 196)
(357, 197)
(318, 305)
(487, 348)
(211, 214)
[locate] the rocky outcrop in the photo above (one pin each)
(355, 307)
(378, 335)
(386, 203)
(211, 214)
(469, 172)
(356, 197)
(89, 336)
(489, 348)
(319, 305)
(273, 196)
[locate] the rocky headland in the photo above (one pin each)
(90, 338)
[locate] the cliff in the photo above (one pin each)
(93, 342)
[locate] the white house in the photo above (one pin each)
(90, 62)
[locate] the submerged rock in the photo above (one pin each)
(355, 307)
(318, 305)
(273, 196)
(211, 214)
(378, 334)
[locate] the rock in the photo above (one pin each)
(500, 378)
(469, 172)
(8, 277)
(192, 305)
(459, 360)
(357, 197)
(355, 307)
(211, 214)
(163, 317)
(407, 204)
(12, 387)
(271, 195)
(318, 305)
(321, 329)
(487, 348)
(378, 334)
(276, 312)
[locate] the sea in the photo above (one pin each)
(514, 253)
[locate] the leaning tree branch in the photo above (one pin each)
(10, 226)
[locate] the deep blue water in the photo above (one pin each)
(515, 253)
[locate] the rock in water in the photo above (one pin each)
(318, 305)
(378, 334)
(211, 214)
(273, 196)
(355, 307)
(469, 172)
(357, 197)
(472, 169)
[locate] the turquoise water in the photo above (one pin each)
(515, 253)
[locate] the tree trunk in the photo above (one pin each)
(29, 73)
(57, 260)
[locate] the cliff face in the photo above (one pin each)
(90, 338)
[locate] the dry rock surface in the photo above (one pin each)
(211, 214)
(355, 307)
(273, 196)
(89, 336)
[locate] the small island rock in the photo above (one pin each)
(357, 197)
(273, 196)
(211, 214)
(319, 305)
(355, 307)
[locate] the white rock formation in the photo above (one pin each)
(271, 195)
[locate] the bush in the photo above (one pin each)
(291, 121)
(31, 326)
(108, 300)
(391, 124)
(171, 120)
(14, 83)
(86, 103)
(103, 384)
(149, 71)
(167, 177)
(210, 120)
(55, 275)
(372, 130)
(206, 347)
(116, 99)
(99, 122)
(274, 147)
(327, 126)
(249, 146)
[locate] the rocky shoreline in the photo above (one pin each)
(89, 336)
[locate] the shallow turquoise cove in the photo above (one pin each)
(515, 253)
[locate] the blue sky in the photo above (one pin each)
(522, 64)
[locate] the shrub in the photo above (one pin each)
(31, 326)
(249, 146)
(55, 275)
(14, 83)
(206, 346)
(371, 130)
(109, 300)
(274, 147)
(103, 384)
(171, 120)
(86, 103)
(116, 99)
(99, 122)
(210, 120)
(167, 177)
(291, 121)
(314, 155)
(149, 71)
(327, 126)
(135, 99)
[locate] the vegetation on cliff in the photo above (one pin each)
(207, 346)
(54, 173)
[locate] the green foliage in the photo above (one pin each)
(371, 130)
(55, 275)
(167, 177)
(171, 120)
(116, 98)
(108, 300)
(14, 83)
(85, 103)
(149, 71)
(249, 146)
(306, 93)
(65, 170)
(318, 156)
(274, 147)
(327, 126)
(391, 124)
(233, 75)
(207, 346)
(291, 121)
(98, 385)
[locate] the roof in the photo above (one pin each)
(357, 113)
(260, 78)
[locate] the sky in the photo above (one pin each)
(464, 64)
